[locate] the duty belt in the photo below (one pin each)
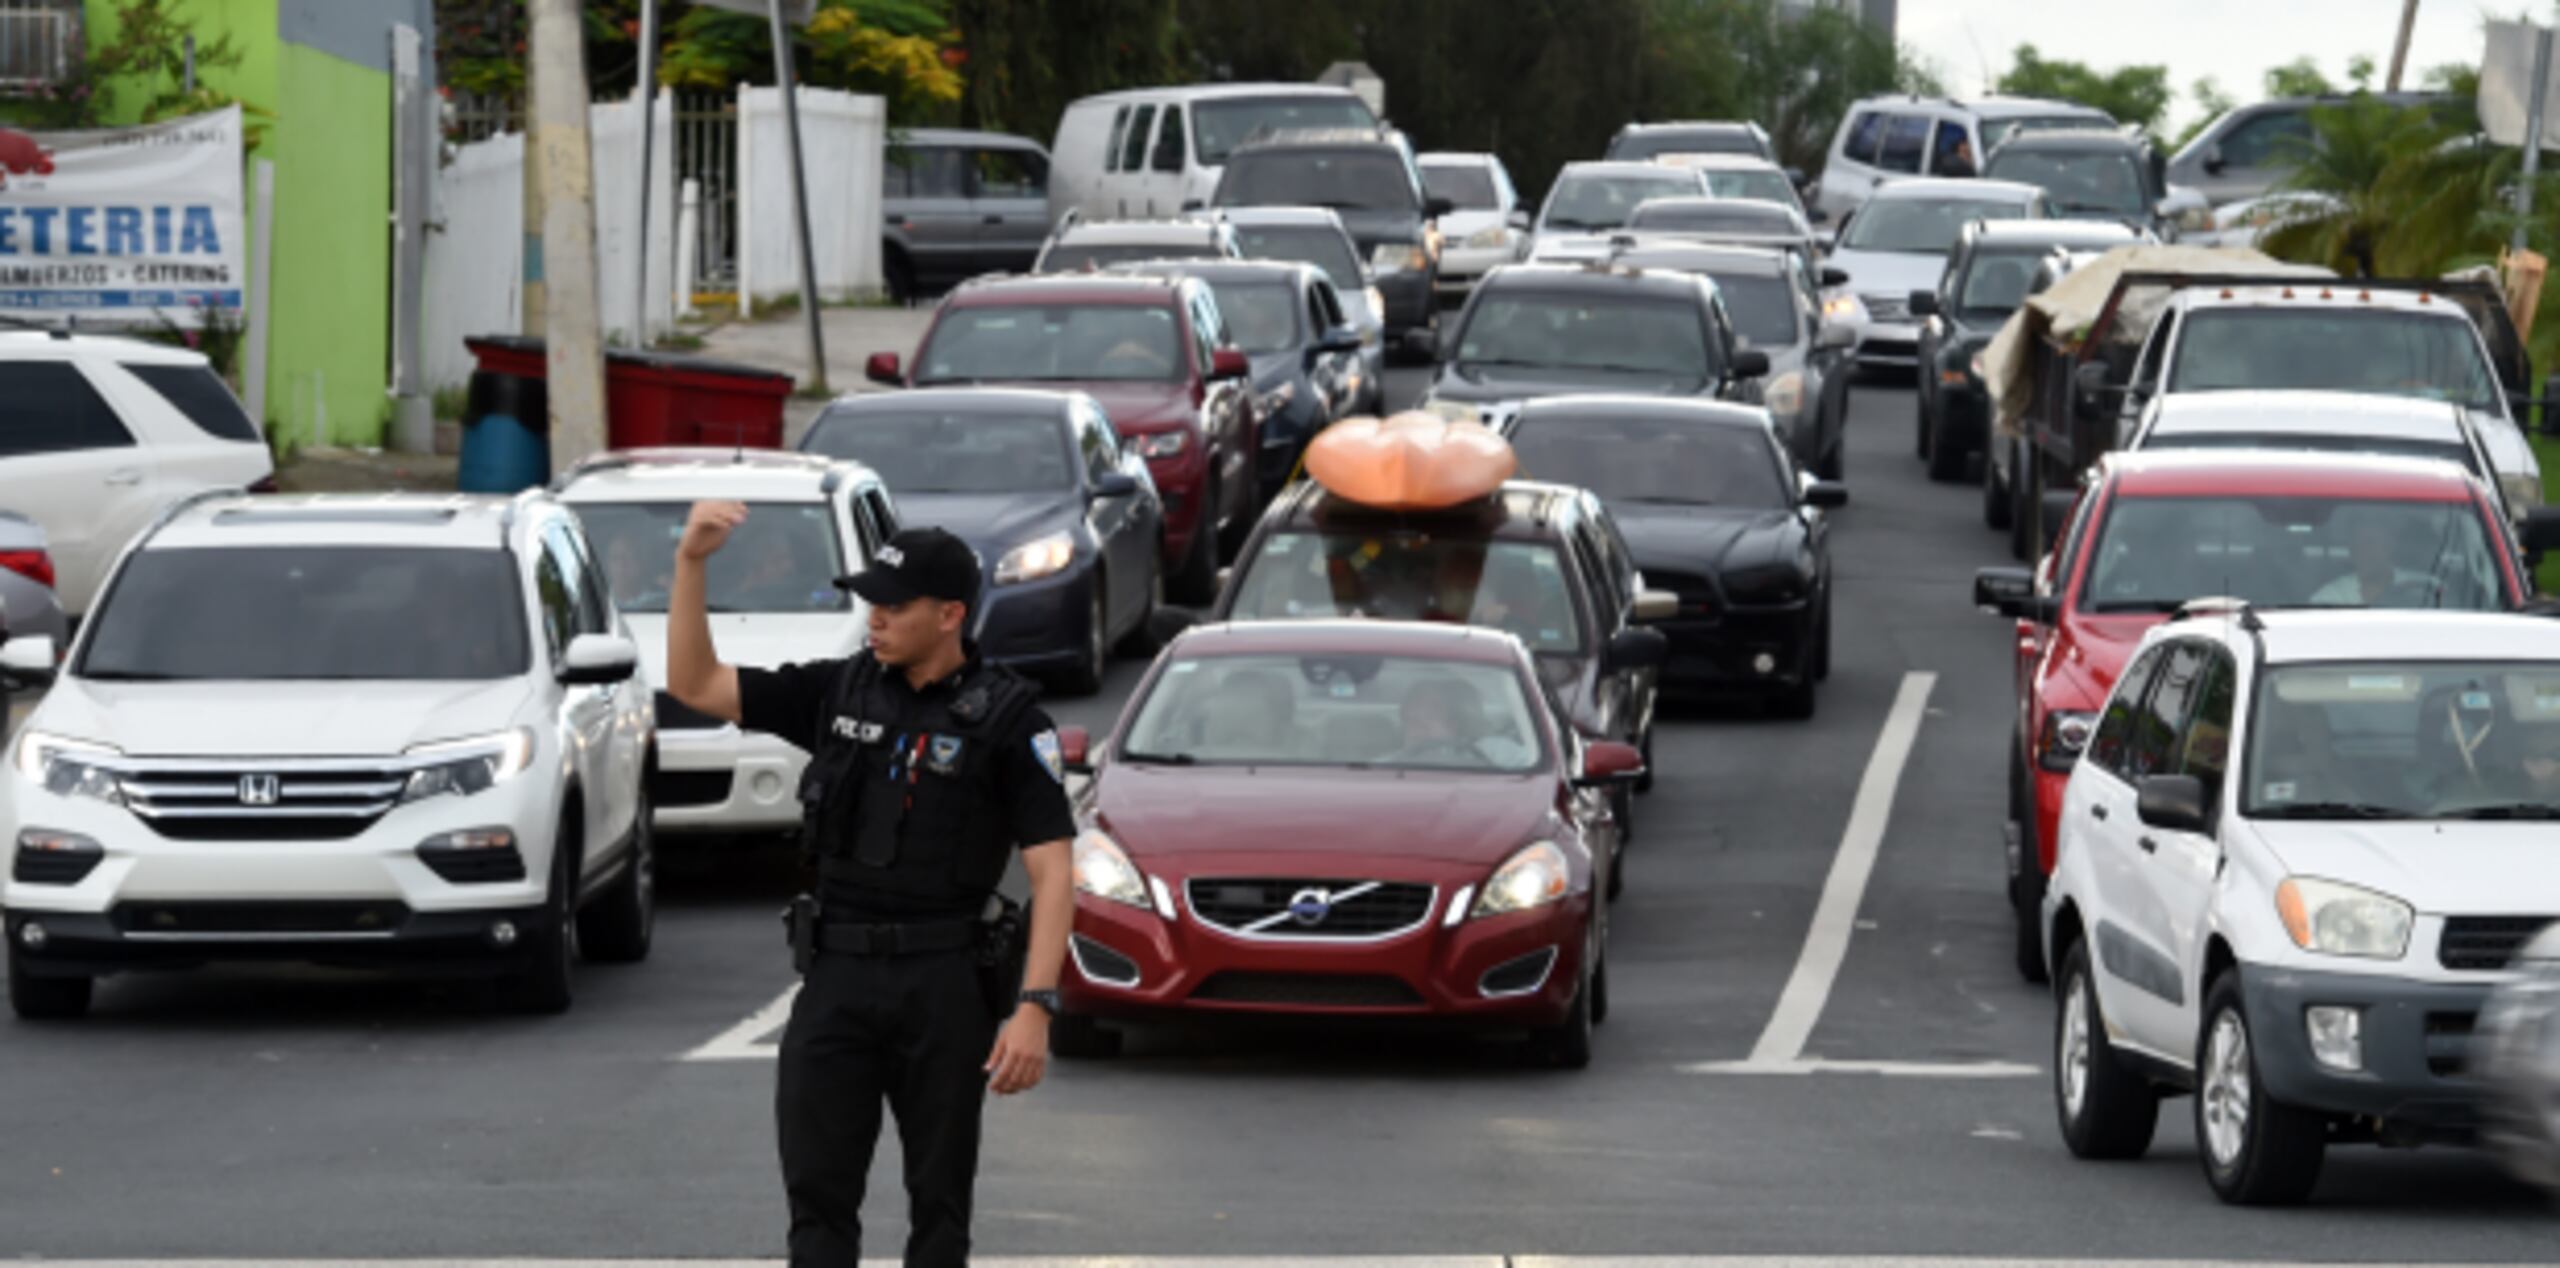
(837, 938)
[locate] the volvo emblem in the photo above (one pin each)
(1310, 907)
(260, 790)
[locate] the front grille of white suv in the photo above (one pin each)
(292, 800)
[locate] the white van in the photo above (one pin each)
(1887, 138)
(1155, 152)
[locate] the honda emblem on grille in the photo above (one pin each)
(260, 790)
(1310, 907)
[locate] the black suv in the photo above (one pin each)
(1368, 177)
(1535, 330)
(1544, 561)
(2090, 174)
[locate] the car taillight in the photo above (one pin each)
(34, 565)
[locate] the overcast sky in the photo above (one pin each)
(2234, 41)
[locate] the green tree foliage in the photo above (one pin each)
(2133, 94)
(2211, 104)
(2300, 77)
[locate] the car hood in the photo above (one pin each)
(1271, 369)
(1134, 406)
(1896, 273)
(992, 523)
(1705, 539)
(1196, 811)
(1462, 381)
(268, 719)
(2089, 664)
(2439, 868)
(761, 640)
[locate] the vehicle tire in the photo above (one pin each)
(1995, 497)
(1644, 745)
(36, 997)
(1600, 993)
(1617, 871)
(2026, 880)
(616, 928)
(2256, 1150)
(1081, 1038)
(1141, 638)
(1094, 657)
(1567, 1044)
(2021, 523)
(1834, 463)
(899, 275)
(1197, 581)
(1820, 669)
(1946, 460)
(544, 984)
(2106, 1111)
(1622, 806)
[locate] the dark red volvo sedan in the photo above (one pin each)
(1370, 818)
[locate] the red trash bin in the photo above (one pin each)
(662, 398)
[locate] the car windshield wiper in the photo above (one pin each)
(2331, 810)
(1160, 759)
(2516, 810)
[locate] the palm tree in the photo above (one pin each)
(2412, 195)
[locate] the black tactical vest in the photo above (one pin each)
(900, 794)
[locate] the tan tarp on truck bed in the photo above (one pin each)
(2062, 315)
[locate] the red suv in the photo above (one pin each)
(1154, 352)
(2152, 530)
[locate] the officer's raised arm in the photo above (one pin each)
(695, 675)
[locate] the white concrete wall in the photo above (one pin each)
(841, 135)
(616, 143)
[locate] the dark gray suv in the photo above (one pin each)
(957, 204)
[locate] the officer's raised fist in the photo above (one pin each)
(707, 529)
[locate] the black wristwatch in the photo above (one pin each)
(1047, 1000)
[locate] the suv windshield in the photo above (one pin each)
(1605, 202)
(2102, 183)
(1358, 180)
(1919, 227)
(279, 613)
(1320, 245)
(1639, 459)
(1073, 257)
(1758, 184)
(1661, 141)
(1399, 712)
(950, 453)
(1218, 127)
(1588, 332)
(1996, 282)
(1995, 131)
(1763, 308)
(2382, 352)
(1466, 186)
(1413, 576)
(2155, 553)
(783, 558)
(1260, 316)
(1739, 215)
(1062, 342)
(2405, 740)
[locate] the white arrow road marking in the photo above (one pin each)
(748, 1040)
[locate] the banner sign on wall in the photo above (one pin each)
(123, 225)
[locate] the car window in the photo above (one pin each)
(1220, 125)
(1169, 141)
(1605, 202)
(1111, 148)
(2104, 183)
(1920, 226)
(2377, 351)
(867, 533)
(1320, 245)
(2205, 751)
(2109, 745)
(1413, 575)
(932, 451)
(587, 586)
(1366, 179)
(1866, 133)
(1258, 316)
(1393, 712)
(2154, 553)
(1133, 150)
(2266, 140)
(1010, 173)
(1995, 283)
(1645, 458)
(1614, 554)
(784, 559)
(2426, 739)
(1906, 139)
(1207, 332)
(198, 393)
(2159, 726)
(881, 512)
(556, 602)
(1094, 445)
(2146, 369)
(1325, 306)
(2084, 510)
(1606, 604)
(1025, 342)
(1647, 334)
(930, 171)
(1467, 186)
(1951, 154)
(51, 408)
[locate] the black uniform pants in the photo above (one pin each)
(911, 1032)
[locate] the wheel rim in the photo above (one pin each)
(2072, 1065)
(2224, 1102)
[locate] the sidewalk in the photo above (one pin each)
(781, 342)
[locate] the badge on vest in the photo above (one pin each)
(943, 755)
(1052, 759)
(857, 730)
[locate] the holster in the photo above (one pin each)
(800, 925)
(1002, 932)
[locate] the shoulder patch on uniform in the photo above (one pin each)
(1045, 747)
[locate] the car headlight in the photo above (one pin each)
(1454, 411)
(1535, 877)
(67, 767)
(2066, 732)
(2522, 488)
(464, 767)
(2335, 919)
(1399, 257)
(1768, 583)
(1378, 310)
(1037, 558)
(1975, 365)
(1162, 444)
(1278, 398)
(1495, 236)
(1103, 870)
(1785, 393)
(1843, 307)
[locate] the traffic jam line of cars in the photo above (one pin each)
(2277, 858)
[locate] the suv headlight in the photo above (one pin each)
(67, 767)
(464, 767)
(1278, 398)
(1535, 877)
(1103, 870)
(1785, 393)
(1843, 307)
(2066, 732)
(1162, 444)
(2335, 919)
(1035, 559)
(1494, 236)
(1399, 257)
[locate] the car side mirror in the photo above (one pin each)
(1826, 493)
(1434, 208)
(2089, 379)
(599, 660)
(1835, 336)
(2213, 160)
(1655, 605)
(1116, 484)
(2173, 803)
(2011, 592)
(1518, 220)
(2540, 531)
(1750, 363)
(1229, 363)
(28, 658)
(1075, 750)
(882, 368)
(1924, 303)
(1834, 277)
(1636, 647)
(1608, 762)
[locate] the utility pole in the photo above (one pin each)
(799, 198)
(647, 92)
(2533, 130)
(564, 254)
(2400, 47)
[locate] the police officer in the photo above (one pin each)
(928, 769)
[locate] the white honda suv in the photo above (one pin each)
(398, 731)
(773, 598)
(2297, 855)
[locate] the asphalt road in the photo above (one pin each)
(279, 1114)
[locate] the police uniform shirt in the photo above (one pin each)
(795, 702)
